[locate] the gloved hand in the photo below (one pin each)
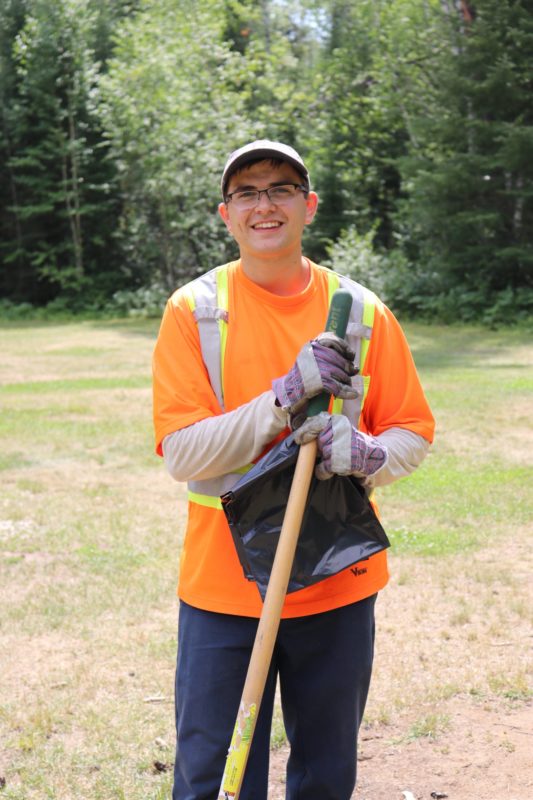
(344, 449)
(324, 364)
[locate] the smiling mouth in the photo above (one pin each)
(262, 226)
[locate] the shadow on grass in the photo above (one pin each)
(465, 346)
(138, 327)
(135, 326)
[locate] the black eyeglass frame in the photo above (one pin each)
(303, 188)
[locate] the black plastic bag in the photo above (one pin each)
(339, 528)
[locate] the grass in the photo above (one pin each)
(430, 726)
(478, 474)
(91, 528)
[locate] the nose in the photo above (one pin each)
(264, 201)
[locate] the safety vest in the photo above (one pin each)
(208, 300)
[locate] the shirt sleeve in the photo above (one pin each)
(182, 393)
(217, 445)
(395, 398)
(405, 451)
(200, 441)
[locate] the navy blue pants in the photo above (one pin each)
(324, 664)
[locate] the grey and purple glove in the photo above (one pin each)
(324, 364)
(344, 450)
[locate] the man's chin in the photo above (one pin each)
(270, 251)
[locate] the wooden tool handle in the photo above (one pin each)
(268, 627)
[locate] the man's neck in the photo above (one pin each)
(281, 276)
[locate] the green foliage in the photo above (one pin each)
(414, 116)
(146, 301)
(410, 290)
(58, 223)
(468, 210)
(361, 129)
(354, 255)
(169, 116)
(421, 293)
(12, 311)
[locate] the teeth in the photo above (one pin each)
(267, 225)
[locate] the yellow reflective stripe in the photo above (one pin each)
(333, 285)
(223, 328)
(223, 303)
(364, 351)
(189, 296)
(366, 384)
(336, 406)
(204, 500)
(243, 470)
(222, 287)
(369, 308)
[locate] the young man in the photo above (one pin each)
(238, 354)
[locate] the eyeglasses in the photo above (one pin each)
(278, 195)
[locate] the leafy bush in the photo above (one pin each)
(509, 307)
(15, 311)
(146, 301)
(423, 297)
(353, 255)
(62, 308)
(414, 291)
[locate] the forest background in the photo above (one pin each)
(415, 118)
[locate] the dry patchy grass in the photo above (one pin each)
(90, 533)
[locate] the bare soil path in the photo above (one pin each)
(448, 714)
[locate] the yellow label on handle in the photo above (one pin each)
(238, 751)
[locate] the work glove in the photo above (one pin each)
(324, 364)
(343, 449)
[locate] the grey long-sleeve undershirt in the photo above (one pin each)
(217, 445)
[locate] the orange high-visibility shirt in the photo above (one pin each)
(265, 334)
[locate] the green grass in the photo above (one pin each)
(478, 476)
(91, 529)
(82, 384)
(430, 726)
(454, 504)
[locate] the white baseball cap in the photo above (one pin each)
(263, 149)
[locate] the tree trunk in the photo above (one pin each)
(72, 190)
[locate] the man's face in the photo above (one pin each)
(268, 229)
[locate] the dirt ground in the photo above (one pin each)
(449, 710)
(486, 755)
(448, 714)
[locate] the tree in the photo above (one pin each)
(12, 20)
(414, 116)
(169, 117)
(468, 214)
(358, 128)
(62, 202)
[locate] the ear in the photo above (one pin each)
(223, 211)
(311, 205)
